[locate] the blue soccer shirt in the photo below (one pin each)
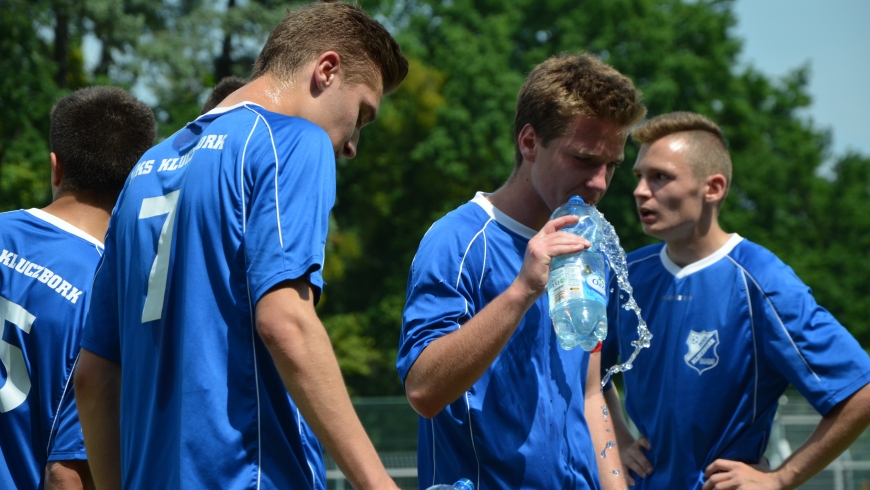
(521, 425)
(46, 272)
(209, 220)
(730, 332)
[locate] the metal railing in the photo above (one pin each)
(392, 425)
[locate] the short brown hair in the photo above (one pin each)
(365, 46)
(221, 91)
(707, 153)
(99, 133)
(569, 85)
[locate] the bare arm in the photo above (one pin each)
(601, 429)
(633, 459)
(834, 434)
(450, 365)
(303, 355)
(98, 399)
(68, 475)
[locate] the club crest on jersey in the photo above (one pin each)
(702, 354)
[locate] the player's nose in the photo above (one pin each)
(641, 190)
(349, 149)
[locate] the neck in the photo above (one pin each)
(701, 244)
(83, 213)
(517, 199)
(268, 92)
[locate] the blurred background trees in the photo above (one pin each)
(446, 133)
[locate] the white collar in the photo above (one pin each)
(503, 219)
(707, 261)
(221, 110)
(63, 225)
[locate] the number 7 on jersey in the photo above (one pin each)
(152, 207)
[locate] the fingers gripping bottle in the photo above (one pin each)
(576, 287)
(463, 484)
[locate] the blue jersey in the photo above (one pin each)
(521, 425)
(46, 272)
(730, 332)
(209, 220)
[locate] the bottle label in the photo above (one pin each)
(573, 281)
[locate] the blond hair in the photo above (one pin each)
(707, 152)
(569, 85)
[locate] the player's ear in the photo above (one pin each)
(327, 71)
(717, 187)
(528, 143)
(56, 170)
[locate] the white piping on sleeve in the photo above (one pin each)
(51, 434)
(251, 311)
(275, 154)
(471, 435)
(242, 173)
(754, 346)
(778, 319)
(462, 262)
(433, 450)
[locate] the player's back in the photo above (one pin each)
(46, 271)
(198, 218)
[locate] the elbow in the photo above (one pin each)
(422, 401)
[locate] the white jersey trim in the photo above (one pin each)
(221, 110)
(778, 319)
(63, 225)
(501, 218)
(707, 261)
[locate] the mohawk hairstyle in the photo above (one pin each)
(707, 152)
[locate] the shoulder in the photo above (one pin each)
(763, 267)
(11, 217)
(644, 254)
(463, 225)
(295, 128)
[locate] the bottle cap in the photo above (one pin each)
(464, 484)
(577, 199)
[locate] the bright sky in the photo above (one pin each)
(834, 36)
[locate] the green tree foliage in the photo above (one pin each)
(446, 132)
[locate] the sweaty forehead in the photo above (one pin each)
(596, 137)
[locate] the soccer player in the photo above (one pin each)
(732, 326)
(202, 318)
(47, 266)
(220, 92)
(501, 403)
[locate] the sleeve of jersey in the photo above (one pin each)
(291, 190)
(67, 442)
(101, 332)
(440, 294)
(610, 347)
(807, 345)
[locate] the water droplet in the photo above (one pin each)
(609, 445)
(615, 472)
(604, 410)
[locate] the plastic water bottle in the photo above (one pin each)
(578, 303)
(463, 484)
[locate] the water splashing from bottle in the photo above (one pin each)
(616, 258)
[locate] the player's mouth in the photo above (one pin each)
(646, 215)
